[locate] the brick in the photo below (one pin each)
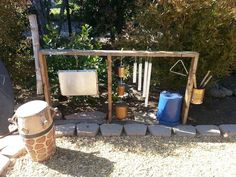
(159, 130)
(111, 129)
(4, 163)
(13, 151)
(185, 130)
(208, 130)
(135, 129)
(87, 129)
(228, 130)
(65, 130)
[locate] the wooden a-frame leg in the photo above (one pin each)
(109, 84)
(44, 74)
(189, 89)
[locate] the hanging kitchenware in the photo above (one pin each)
(121, 72)
(121, 89)
(121, 110)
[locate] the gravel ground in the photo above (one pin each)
(134, 156)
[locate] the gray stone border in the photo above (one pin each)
(224, 130)
(117, 129)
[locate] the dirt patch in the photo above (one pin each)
(212, 111)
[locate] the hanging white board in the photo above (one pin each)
(78, 82)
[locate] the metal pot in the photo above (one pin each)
(121, 110)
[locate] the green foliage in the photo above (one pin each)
(14, 48)
(81, 41)
(106, 16)
(205, 26)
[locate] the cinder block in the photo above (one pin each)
(208, 130)
(135, 129)
(65, 130)
(159, 130)
(87, 129)
(185, 130)
(111, 129)
(228, 130)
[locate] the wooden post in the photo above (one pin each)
(36, 46)
(44, 74)
(189, 88)
(109, 78)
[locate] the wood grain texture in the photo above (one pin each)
(189, 89)
(109, 78)
(119, 53)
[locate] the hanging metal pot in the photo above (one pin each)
(121, 110)
(121, 89)
(121, 71)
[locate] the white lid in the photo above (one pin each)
(31, 108)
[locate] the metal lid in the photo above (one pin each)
(31, 108)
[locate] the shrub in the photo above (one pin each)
(82, 41)
(14, 48)
(106, 16)
(205, 26)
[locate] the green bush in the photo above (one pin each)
(106, 16)
(82, 41)
(205, 26)
(14, 47)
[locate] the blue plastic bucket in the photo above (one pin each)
(169, 108)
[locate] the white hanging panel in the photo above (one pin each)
(78, 82)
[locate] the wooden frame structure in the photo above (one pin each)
(125, 53)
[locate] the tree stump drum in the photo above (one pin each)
(35, 125)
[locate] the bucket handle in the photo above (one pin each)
(54, 112)
(13, 119)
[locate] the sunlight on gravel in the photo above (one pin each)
(134, 156)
